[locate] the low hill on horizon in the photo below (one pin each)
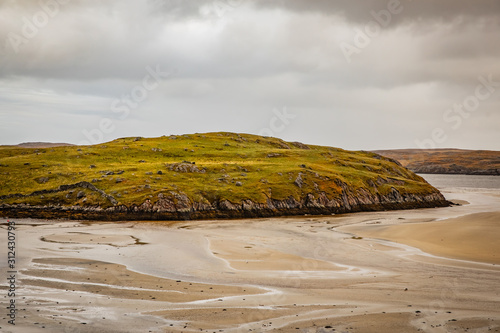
(39, 145)
(447, 161)
(207, 175)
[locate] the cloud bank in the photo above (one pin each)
(354, 74)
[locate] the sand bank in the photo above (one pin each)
(472, 237)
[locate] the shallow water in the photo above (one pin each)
(462, 181)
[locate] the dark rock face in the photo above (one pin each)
(176, 205)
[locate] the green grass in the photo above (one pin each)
(227, 159)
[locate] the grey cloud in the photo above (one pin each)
(176, 9)
(108, 40)
(465, 39)
(421, 10)
(355, 11)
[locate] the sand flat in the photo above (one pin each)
(297, 274)
(243, 256)
(473, 237)
(116, 280)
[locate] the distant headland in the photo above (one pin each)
(447, 161)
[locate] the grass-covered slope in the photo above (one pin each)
(202, 176)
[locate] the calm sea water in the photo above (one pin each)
(441, 181)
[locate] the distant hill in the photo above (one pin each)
(42, 145)
(212, 175)
(447, 161)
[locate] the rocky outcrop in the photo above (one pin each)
(184, 167)
(178, 206)
(300, 145)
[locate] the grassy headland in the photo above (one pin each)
(202, 175)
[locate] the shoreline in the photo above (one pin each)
(123, 213)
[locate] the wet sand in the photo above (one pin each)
(474, 237)
(429, 270)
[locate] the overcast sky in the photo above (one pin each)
(369, 74)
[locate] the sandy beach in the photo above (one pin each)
(427, 270)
